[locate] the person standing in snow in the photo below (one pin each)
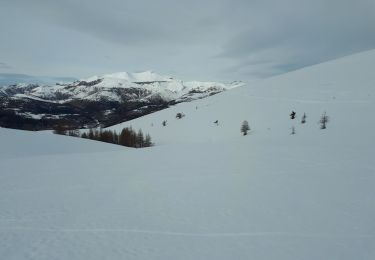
(293, 115)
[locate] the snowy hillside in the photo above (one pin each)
(205, 191)
(344, 88)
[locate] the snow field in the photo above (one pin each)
(204, 191)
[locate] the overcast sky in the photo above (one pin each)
(190, 39)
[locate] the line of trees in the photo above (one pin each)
(324, 119)
(127, 137)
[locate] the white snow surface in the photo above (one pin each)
(204, 191)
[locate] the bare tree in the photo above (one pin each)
(74, 133)
(324, 119)
(91, 134)
(245, 127)
(60, 130)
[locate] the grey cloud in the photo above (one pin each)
(199, 39)
(303, 35)
(128, 22)
(4, 65)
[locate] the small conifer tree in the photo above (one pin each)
(147, 142)
(139, 139)
(245, 127)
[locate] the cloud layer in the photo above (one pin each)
(213, 39)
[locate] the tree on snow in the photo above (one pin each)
(140, 139)
(245, 127)
(60, 130)
(324, 119)
(148, 142)
(180, 115)
(74, 133)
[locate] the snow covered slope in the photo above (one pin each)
(205, 191)
(344, 88)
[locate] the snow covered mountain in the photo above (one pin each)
(205, 191)
(99, 100)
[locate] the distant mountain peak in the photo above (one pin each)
(100, 100)
(144, 76)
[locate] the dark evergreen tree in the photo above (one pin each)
(91, 134)
(148, 141)
(140, 139)
(133, 138)
(115, 137)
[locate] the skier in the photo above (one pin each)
(293, 115)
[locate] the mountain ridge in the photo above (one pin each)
(97, 101)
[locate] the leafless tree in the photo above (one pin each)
(245, 127)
